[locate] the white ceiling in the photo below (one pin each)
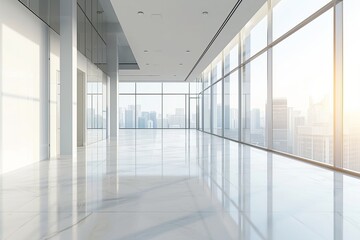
(167, 30)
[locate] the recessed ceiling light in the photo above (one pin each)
(205, 13)
(180, 64)
(146, 51)
(140, 13)
(187, 51)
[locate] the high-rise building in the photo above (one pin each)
(280, 124)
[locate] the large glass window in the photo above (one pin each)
(217, 108)
(231, 106)
(148, 111)
(156, 105)
(254, 77)
(254, 35)
(127, 111)
(303, 91)
(174, 111)
(351, 137)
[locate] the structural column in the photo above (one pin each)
(269, 101)
(68, 76)
(113, 66)
(338, 86)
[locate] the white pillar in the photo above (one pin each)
(68, 76)
(113, 66)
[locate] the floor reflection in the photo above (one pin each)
(177, 184)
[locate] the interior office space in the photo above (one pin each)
(235, 119)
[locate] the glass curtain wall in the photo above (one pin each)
(157, 105)
(279, 77)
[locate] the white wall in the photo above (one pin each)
(29, 78)
(23, 87)
(54, 93)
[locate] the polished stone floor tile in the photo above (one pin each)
(177, 184)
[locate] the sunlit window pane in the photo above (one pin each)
(303, 91)
(254, 87)
(231, 106)
(254, 34)
(294, 11)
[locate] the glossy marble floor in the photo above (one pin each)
(177, 184)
